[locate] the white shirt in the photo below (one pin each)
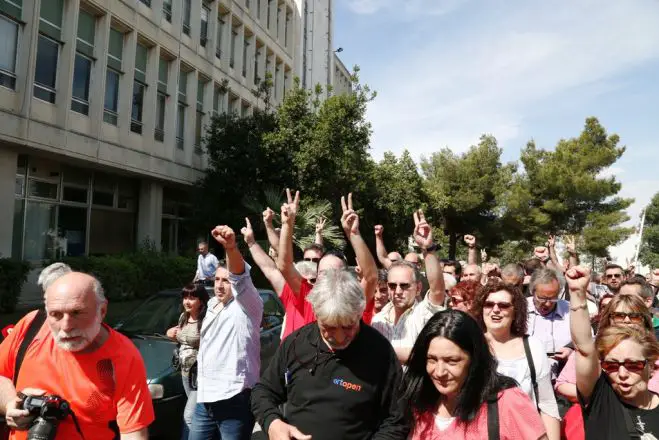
(403, 334)
(206, 266)
(519, 370)
(229, 358)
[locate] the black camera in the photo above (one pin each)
(49, 411)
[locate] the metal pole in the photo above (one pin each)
(640, 237)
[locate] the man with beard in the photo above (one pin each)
(75, 356)
(336, 378)
(613, 277)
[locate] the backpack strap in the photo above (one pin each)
(493, 419)
(529, 360)
(31, 332)
(631, 429)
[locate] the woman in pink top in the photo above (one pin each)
(623, 310)
(451, 384)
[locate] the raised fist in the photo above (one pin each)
(470, 240)
(379, 230)
(225, 236)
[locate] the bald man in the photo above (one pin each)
(78, 358)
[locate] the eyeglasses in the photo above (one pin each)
(632, 366)
(613, 275)
(455, 300)
(634, 317)
(313, 260)
(394, 286)
(501, 305)
(546, 300)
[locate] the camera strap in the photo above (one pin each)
(76, 424)
(31, 332)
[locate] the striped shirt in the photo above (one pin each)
(229, 353)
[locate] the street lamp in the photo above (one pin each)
(339, 50)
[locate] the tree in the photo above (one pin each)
(464, 191)
(649, 253)
(397, 191)
(563, 191)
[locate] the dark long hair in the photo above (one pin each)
(520, 306)
(419, 395)
(195, 291)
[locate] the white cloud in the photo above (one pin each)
(510, 58)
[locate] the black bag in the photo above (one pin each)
(32, 331)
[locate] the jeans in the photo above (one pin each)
(190, 405)
(232, 419)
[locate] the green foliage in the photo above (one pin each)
(562, 191)
(13, 274)
(649, 253)
(464, 190)
(136, 275)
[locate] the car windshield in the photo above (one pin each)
(153, 316)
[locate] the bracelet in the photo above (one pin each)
(579, 307)
(432, 248)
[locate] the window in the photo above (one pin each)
(183, 87)
(45, 74)
(50, 19)
(180, 126)
(161, 100)
(257, 56)
(274, 81)
(112, 77)
(258, 9)
(268, 11)
(163, 74)
(198, 131)
(278, 16)
(167, 10)
(81, 74)
(186, 17)
(136, 111)
(286, 26)
(220, 31)
(146, 2)
(218, 101)
(245, 49)
(111, 97)
(234, 40)
(8, 42)
(203, 36)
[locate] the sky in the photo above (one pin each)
(448, 71)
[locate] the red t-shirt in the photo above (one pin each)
(300, 313)
(518, 420)
(105, 388)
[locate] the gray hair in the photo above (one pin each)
(337, 298)
(546, 276)
(307, 268)
(404, 263)
(479, 271)
(513, 270)
(99, 292)
(51, 273)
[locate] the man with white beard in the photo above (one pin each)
(80, 359)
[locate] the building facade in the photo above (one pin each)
(103, 105)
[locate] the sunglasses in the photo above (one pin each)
(613, 275)
(611, 367)
(394, 286)
(634, 317)
(546, 300)
(501, 305)
(313, 260)
(455, 300)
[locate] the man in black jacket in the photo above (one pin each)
(336, 378)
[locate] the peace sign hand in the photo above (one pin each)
(349, 218)
(289, 210)
(422, 230)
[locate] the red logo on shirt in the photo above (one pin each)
(347, 385)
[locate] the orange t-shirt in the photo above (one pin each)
(106, 388)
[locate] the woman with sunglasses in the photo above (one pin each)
(451, 387)
(501, 310)
(613, 372)
(461, 296)
(186, 333)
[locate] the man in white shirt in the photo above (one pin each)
(206, 265)
(228, 362)
(401, 320)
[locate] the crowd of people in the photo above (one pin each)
(418, 348)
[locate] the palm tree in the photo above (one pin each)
(305, 223)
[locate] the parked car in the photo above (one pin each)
(146, 327)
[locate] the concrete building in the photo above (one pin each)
(103, 104)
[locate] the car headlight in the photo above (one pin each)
(157, 391)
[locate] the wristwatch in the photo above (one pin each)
(433, 247)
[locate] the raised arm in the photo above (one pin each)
(380, 248)
(262, 260)
(320, 227)
(587, 362)
(470, 241)
(285, 262)
(350, 223)
(273, 235)
(227, 238)
(571, 246)
(551, 246)
(434, 272)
